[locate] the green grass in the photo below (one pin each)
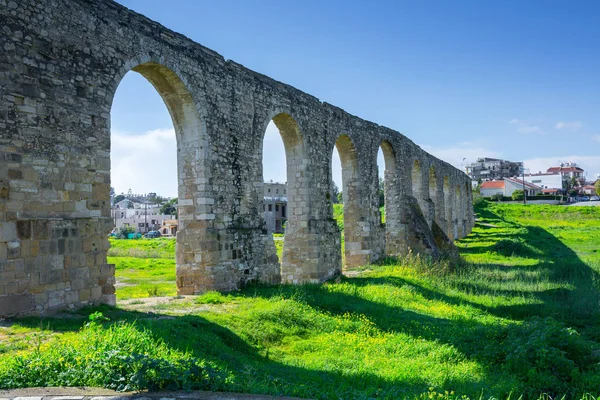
(144, 267)
(518, 316)
(144, 277)
(142, 248)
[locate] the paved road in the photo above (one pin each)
(586, 203)
(105, 394)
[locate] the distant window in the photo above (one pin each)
(277, 191)
(270, 207)
(269, 190)
(276, 207)
(263, 207)
(283, 211)
(283, 191)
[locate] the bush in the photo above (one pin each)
(518, 195)
(548, 356)
(497, 197)
(478, 200)
(124, 231)
(119, 356)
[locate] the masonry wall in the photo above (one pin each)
(60, 65)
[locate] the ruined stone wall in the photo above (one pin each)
(60, 65)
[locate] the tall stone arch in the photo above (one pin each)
(392, 193)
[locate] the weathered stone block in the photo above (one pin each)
(24, 229)
(16, 304)
(8, 231)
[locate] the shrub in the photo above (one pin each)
(518, 195)
(124, 231)
(478, 200)
(497, 197)
(547, 356)
(118, 356)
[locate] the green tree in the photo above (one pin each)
(335, 193)
(119, 197)
(518, 195)
(597, 186)
(169, 208)
(381, 192)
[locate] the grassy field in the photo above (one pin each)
(144, 267)
(518, 315)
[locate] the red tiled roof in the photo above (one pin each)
(550, 190)
(492, 185)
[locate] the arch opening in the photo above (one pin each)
(388, 209)
(417, 183)
(433, 195)
(163, 165)
(282, 180)
(348, 213)
(457, 213)
(448, 204)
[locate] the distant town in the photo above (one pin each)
(153, 215)
(496, 177)
(150, 213)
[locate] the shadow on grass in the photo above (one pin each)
(558, 264)
(488, 344)
(249, 369)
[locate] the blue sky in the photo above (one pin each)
(464, 79)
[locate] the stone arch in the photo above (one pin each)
(351, 195)
(194, 199)
(432, 185)
(458, 215)
(448, 205)
(417, 181)
(469, 208)
(391, 194)
(293, 143)
(434, 197)
(420, 191)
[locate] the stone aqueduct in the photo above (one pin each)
(60, 64)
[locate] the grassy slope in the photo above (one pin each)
(523, 320)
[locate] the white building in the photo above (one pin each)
(507, 187)
(141, 223)
(275, 206)
(551, 181)
(548, 181)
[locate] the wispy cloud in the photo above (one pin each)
(596, 138)
(460, 154)
(526, 127)
(571, 126)
(144, 162)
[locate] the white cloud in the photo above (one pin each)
(590, 164)
(461, 154)
(571, 126)
(526, 127)
(596, 138)
(144, 163)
